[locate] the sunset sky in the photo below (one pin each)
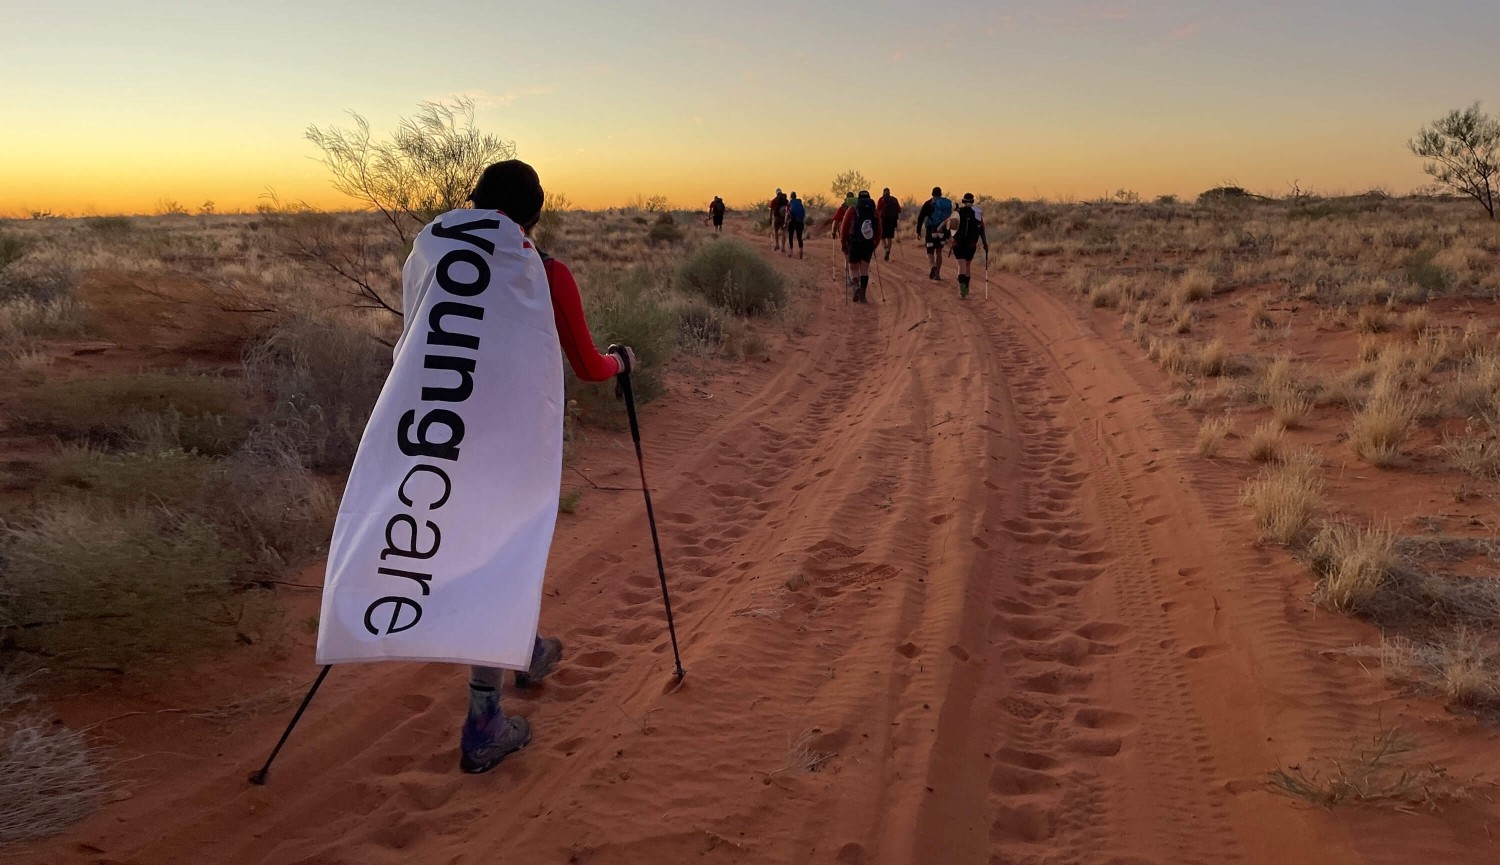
(112, 107)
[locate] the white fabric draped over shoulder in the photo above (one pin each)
(440, 546)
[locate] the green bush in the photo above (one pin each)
(39, 276)
(1427, 276)
(732, 274)
(325, 377)
(12, 247)
(91, 585)
(664, 230)
(624, 308)
(202, 413)
(1031, 220)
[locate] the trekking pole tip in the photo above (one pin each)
(258, 777)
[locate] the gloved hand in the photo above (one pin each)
(627, 356)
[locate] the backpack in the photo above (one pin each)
(968, 227)
(942, 208)
(796, 210)
(717, 208)
(864, 221)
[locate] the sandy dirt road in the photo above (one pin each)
(957, 555)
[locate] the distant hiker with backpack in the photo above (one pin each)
(967, 239)
(890, 214)
(440, 547)
(778, 217)
(932, 227)
(860, 233)
(796, 218)
(838, 225)
(716, 213)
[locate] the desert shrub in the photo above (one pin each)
(49, 774)
(699, 324)
(1106, 294)
(1424, 274)
(1352, 561)
(203, 413)
(1032, 220)
(1372, 319)
(94, 585)
(732, 274)
(109, 225)
(267, 510)
(23, 319)
(325, 376)
(664, 230)
(627, 309)
(40, 276)
(12, 247)
(1285, 500)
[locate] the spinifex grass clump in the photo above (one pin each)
(1285, 499)
(733, 274)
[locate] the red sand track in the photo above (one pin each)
(1029, 627)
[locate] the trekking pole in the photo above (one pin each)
(986, 273)
(259, 778)
(640, 459)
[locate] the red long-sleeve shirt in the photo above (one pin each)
(573, 330)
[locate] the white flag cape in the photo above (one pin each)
(441, 540)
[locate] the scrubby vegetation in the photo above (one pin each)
(1355, 338)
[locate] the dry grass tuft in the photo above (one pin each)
(1380, 428)
(1476, 452)
(1212, 433)
(1373, 774)
(1352, 561)
(49, 775)
(1266, 443)
(1285, 499)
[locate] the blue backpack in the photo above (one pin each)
(941, 210)
(796, 211)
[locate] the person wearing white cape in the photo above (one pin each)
(440, 547)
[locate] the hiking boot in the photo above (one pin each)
(887, 255)
(932, 273)
(544, 657)
(488, 736)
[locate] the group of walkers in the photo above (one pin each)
(863, 225)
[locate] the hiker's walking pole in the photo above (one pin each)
(259, 778)
(640, 459)
(986, 273)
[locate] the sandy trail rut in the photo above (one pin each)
(943, 551)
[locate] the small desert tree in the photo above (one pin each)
(1462, 150)
(847, 182)
(429, 165)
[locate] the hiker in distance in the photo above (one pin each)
(890, 214)
(838, 227)
(932, 227)
(778, 217)
(967, 239)
(861, 234)
(796, 218)
(716, 213)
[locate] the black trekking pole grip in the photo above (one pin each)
(626, 391)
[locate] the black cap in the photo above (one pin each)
(864, 193)
(512, 188)
(937, 190)
(887, 191)
(968, 198)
